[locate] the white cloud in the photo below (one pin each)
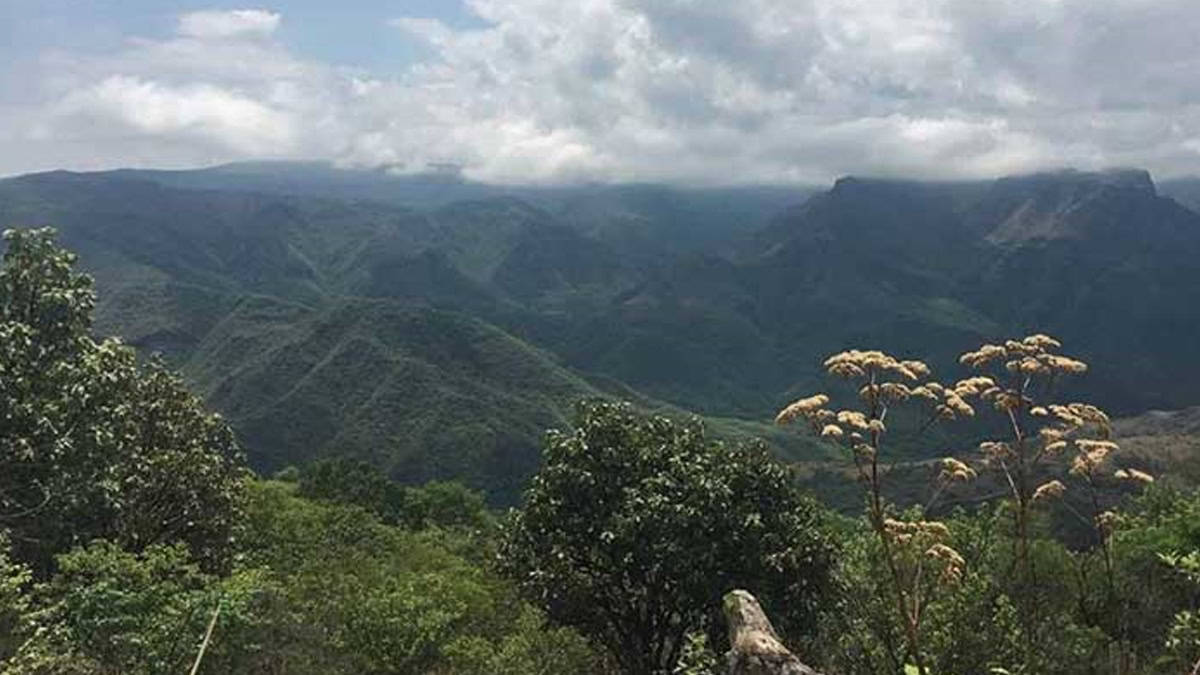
(224, 24)
(206, 111)
(683, 90)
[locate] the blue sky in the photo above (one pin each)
(350, 32)
(685, 91)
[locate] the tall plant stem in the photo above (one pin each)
(207, 636)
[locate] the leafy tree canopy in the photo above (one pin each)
(435, 504)
(94, 444)
(635, 527)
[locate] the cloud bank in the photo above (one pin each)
(690, 91)
(225, 24)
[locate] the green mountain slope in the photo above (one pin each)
(248, 293)
(927, 270)
(324, 327)
(424, 393)
(437, 326)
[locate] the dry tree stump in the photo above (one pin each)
(754, 646)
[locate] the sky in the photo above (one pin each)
(551, 91)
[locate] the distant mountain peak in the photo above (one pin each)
(853, 184)
(1065, 204)
(1123, 178)
(1119, 177)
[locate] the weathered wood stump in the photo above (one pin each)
(754, 646)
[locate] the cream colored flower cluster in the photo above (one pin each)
(805, 407)
(847, 426)
(948, 403)
(1049, 490)
(1029, 356)
(903, 531)
(955, 471)
(887, 392)
(857, 363)
(996, 451)
(856, 429)
(1106, 522)
(1092, 455)
(928, 537)
(953, 564)
(1134, 475)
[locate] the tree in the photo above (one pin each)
(436, 504)
(636, 526)
(94, 444)
(373, 598)
(350, 481)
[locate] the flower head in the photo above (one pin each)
(983, 356)
(853, 419)
(1050, 490)
(802, 408)
(1091, 455)
(832, 431)
(955, 470)
(995, 450)
(952, 560)
(1042, 341)
(1107, 522)
(1134, 475)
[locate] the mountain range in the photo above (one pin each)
(436, 326)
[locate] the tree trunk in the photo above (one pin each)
(754, 647)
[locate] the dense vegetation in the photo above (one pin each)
(94, 444)
(137, 541)
(635, 527)
(435, 328)
(130, 523)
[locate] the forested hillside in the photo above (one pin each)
(415, 338)
(435, 327)
(136, 541)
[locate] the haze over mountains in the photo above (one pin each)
(437, 326)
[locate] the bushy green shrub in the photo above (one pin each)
(636, 525)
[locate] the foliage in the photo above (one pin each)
(108, 610)
(14, 600)
(95, 445)
(320, 588)
(435, 504)
(373, 598)
(131, 521)
(635, 527)
(1156, 554)
(438, 344)
(530, 648)
(696, 657)
(347, 481)
(977, 625)
(129, 501)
